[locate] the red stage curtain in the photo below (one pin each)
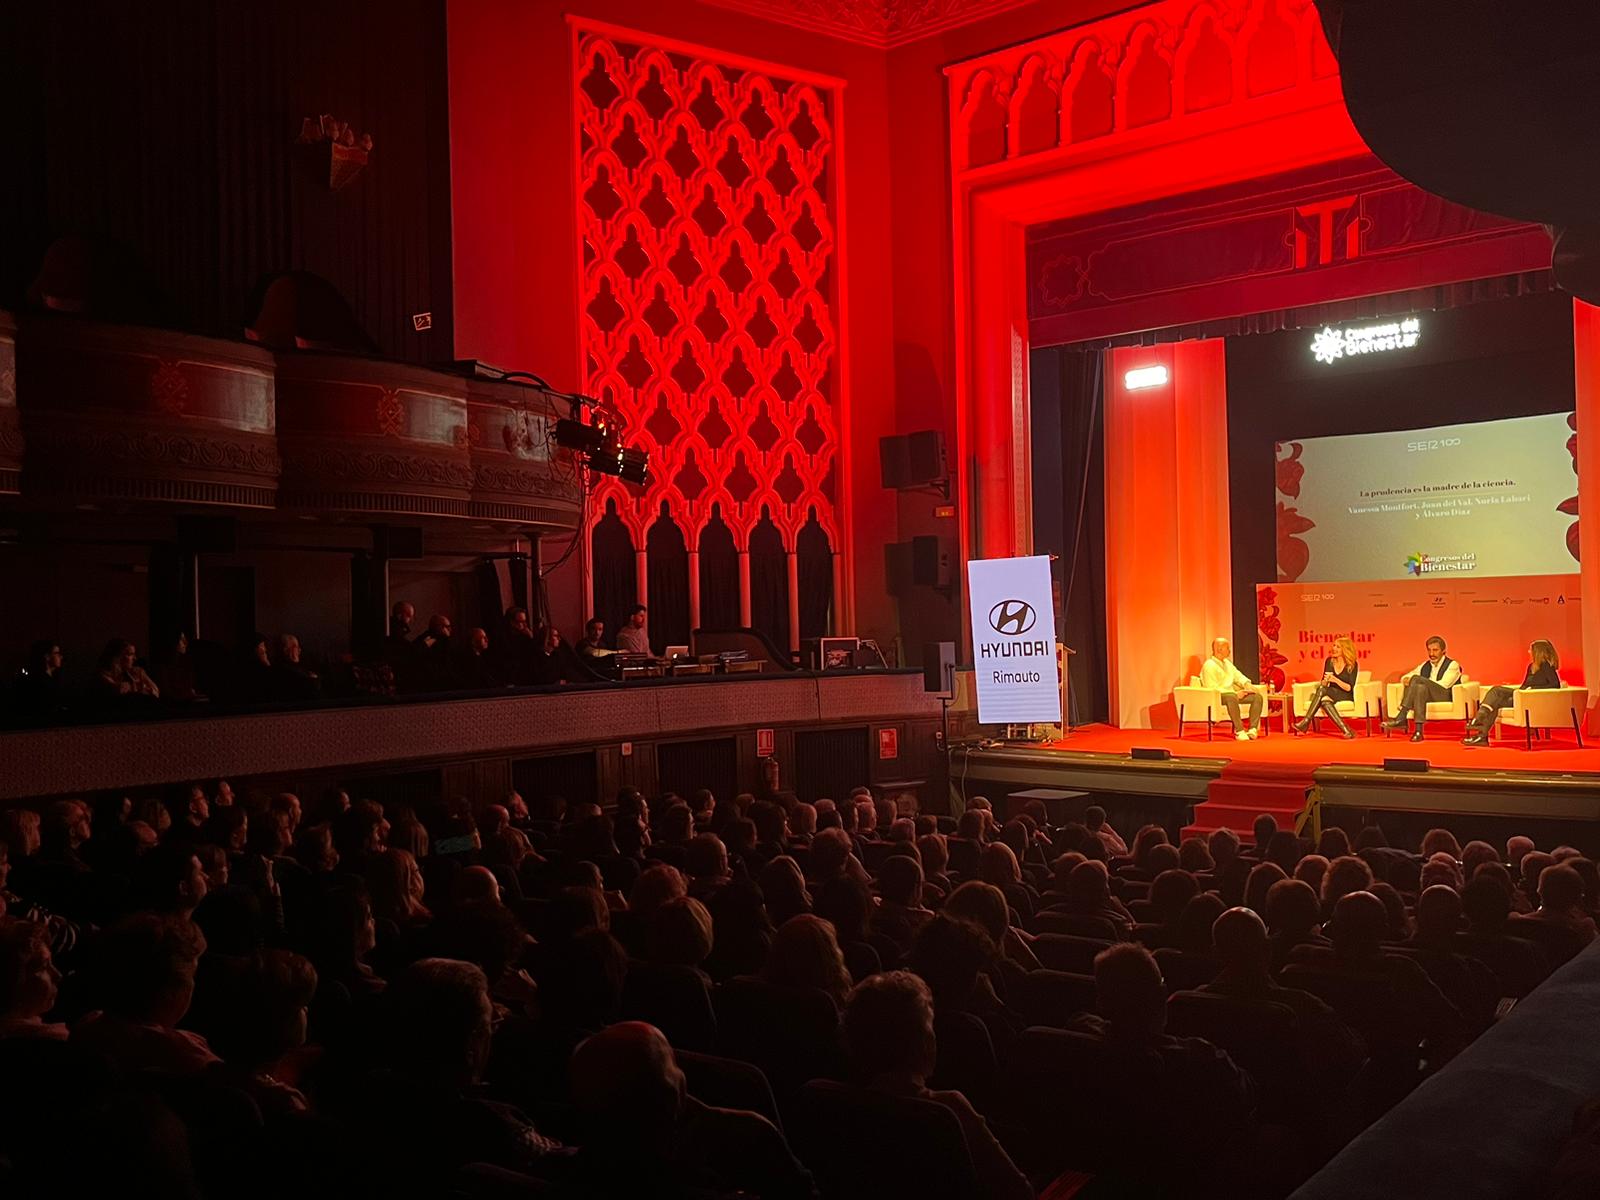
(1168, 570)
(1586, 378)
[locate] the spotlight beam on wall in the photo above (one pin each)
(1145, 377)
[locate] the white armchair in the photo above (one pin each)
(1462, 704)
(1365, 702)
(1547, 708)
(1194, 700)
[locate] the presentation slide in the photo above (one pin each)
(1494, 498)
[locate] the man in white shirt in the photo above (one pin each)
(1219, 674)
(1432, 682)
(632, 638)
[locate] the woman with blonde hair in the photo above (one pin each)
(805, 954)
(1541, 673)
(1338, 684)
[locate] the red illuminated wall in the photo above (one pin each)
(707, 234)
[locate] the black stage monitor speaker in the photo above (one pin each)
(939, 667)
(925, 455)
(894, 462)
(1410, 766)
(930, 561)
(1150, 754)
(397, 541)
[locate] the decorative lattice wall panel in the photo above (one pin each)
(707, 225)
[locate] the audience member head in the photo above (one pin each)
(1129, 992)
(783, 885)
(982, 903)
(574, 910)
(900, 881)
(1195, 922)
(314, 849)
(950, 953)
(441, 1012)
(145, 968)
(1440, 841)
(1162, 858)
(582, 987)
(1285, 849)
(29, 980)
(1586, 868)
(1313, 868)
(888, 1029)
(1263, 828)
(971, 825)
(1345, 875)
(1224, 847)
(628, 1088)
(1395, 906)
(1194, 856)
(394, 882)
(935, 851)
(1239, 938)
(345, 932)
(805, 954)
(706, 858)
(846, 903)
(771, 822)
(1474, 855)
(830, 852)
(19, 829)
(1143, 841)
(655, 886)
(170, 879)
(1293, 910)
(997, 864)
(65, 827)
(1440, 868)
(1560, 891)
(803, 820)
(1359, 925)
(1486, 904)
(680, 933)
(1438, 913)
(1500, 875)
(476, 884)
(1370, 837)
(1334, 843)
(1533, 866)
(1061, 869)
(1093, 818)
(264, 1016)
(1517, 847)
(1262, 876)
(1169, 892)
(677, 825)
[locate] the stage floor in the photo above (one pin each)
(1442, 749)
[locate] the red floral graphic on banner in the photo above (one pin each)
(1570, 504)
(1269, 624)
(1293, 554)
(1290, 470)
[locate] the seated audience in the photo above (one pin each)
(29, 981)
(1094, 820)
(805, 954)
(144, 973)
(889, 1038)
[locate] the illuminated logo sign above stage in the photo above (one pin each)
(1427, 564)
(1013, 652)
(1329, 345)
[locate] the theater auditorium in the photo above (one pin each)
(800, 599)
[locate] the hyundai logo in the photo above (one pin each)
(1011, 617)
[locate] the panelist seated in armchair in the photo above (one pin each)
(1338, 685)
(1221, 675)
(1433, 682)
(1541, 674)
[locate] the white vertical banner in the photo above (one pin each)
(1014, 641)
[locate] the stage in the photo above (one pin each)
(1552, 792)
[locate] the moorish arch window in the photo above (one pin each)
(615, 569)
(707, 224)
(667, 575)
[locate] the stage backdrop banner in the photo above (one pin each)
(1014, 640)
(1486, 624)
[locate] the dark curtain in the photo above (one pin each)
(616, 584)
(719, 575)
(1069, 512)
(816, 578)
(667, 565)
(169, 130)
(769, 583)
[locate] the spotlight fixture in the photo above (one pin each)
(629, 465)
(575, 435)
(1145, 377)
